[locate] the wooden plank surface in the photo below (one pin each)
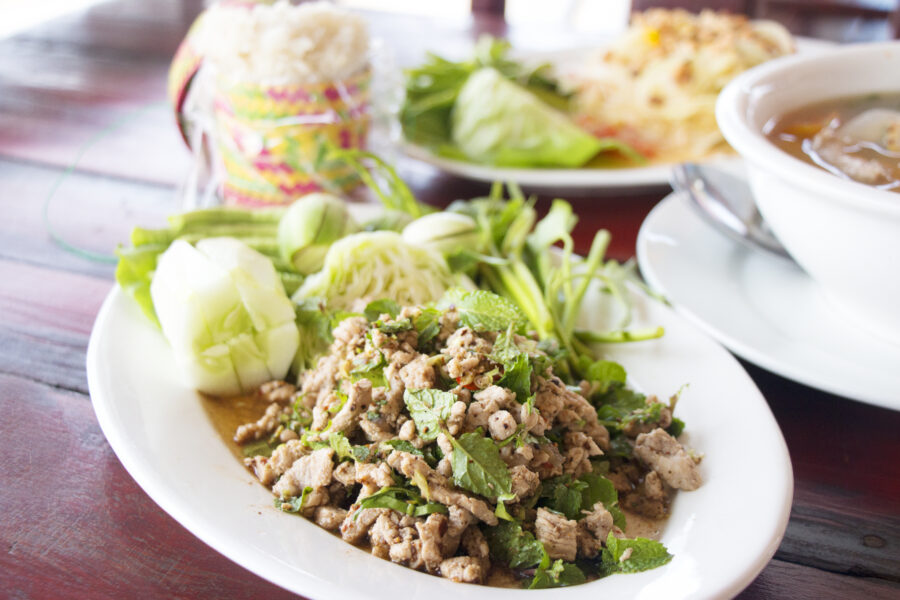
(75, 524)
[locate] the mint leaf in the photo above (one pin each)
(257, 448)
(404, 500)
(371, 369)
(603, 373)
(517, 378)
(516, 365)
(428, 324)
(510, 544)
(484, 311)
(398, 326)
(561, 574)
(293, 505)
(477, 465)
(676, 428)
(377, 308)
(600, 489)
(344, 449)
(645, 555)
(402, 446)
(563, 495)
(428, 409)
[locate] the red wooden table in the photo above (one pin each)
(74, 524)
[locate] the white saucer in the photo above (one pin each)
(763, 308)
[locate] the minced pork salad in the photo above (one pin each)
(443, 441)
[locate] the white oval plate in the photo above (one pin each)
(636, 178)
(764, 308)
(163, 437)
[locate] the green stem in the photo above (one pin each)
(616, 337)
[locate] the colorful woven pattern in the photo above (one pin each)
(270, 138)
(184, 66)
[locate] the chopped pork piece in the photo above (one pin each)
(593, 529)
(431, 530)
(463, 569)
(665, 455)
(358, 401)
(261, 428)
(422, 511)
(267, 470)
(313, 470)
(557, 533)
(330, 517)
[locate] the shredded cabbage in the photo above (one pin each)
(375, 265)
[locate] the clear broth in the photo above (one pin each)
(795, 131)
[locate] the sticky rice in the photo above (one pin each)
(283, 44)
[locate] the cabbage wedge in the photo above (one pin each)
(498, 122)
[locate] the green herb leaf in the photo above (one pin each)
(484, 311)
(645, 554)
(428, 408)
(600, 489)
(517, 378)
(428, 325)
(377, 308)
(604, 372)
(510, 544)
(402, 446)
(392, 327)
(676, 428)
(344, 449)
(561, 574)
(617, 403)
(257, 448)
(477, 465)
(371, 369)
(406, 501)
(293, 505)
(563, 495)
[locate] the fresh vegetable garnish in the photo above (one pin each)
(494, 110)
(225, 314)
(309, 227)
(378, 264)
(443, 375)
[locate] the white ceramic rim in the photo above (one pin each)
(771, 358)
(732, 115)
(569, 179)
(707, 580)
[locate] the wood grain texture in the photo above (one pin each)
(75, 525)
(781, 580)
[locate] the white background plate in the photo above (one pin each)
(163, 437)
(763, 308)
(635, 178)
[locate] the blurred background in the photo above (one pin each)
(837, 20)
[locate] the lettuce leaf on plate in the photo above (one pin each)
(498, 122)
